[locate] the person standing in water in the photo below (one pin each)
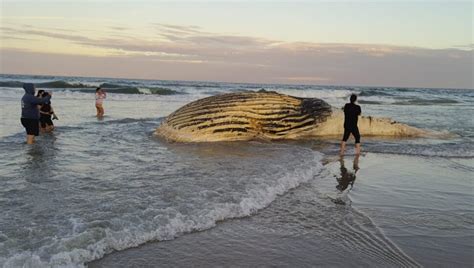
(351, 116)
(30, 113)
(100, 96)
(46, 113)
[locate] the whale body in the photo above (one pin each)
(267, 115)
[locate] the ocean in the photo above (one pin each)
(109, 193)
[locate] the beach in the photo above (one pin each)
(384, 222)
(109, 193)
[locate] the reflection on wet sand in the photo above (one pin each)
(346, 179)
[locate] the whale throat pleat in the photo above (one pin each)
(244, 116)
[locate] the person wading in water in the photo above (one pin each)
(30, 114)
(351, 115)
(100, 96)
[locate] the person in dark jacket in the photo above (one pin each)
(30, 113)
(351, 116)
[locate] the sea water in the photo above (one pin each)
(94, 187)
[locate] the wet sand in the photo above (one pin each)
(400, 211)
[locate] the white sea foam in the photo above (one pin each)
(86, 241)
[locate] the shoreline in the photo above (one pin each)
(258, 240)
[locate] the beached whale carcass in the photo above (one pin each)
(267, 115)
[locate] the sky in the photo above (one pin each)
(368, 43)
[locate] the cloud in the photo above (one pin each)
(466, 46)
(196, 54)
(118, 28)
(28, 30)
(33, 18)
(182, 29)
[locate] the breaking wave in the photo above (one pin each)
(88, 88)
(117, 88)
(136, 90)
(62, 84)
(369, 102)
(374, 92)
(11, 84)
(52, 84)
(418, 101)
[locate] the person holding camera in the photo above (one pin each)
(30, 112)
(46, 112)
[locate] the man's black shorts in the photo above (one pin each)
(354, 131)
(45, 120)
(31, 126)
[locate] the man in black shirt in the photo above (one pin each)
(351, 115)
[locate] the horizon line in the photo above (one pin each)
(232, 82)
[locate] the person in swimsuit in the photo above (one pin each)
(46, 111)
(100, 95)
(30, 113)
(351, 116)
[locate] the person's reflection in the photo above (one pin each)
(347, 178)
